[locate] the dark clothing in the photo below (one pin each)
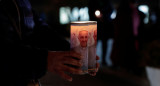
(125, 51)
(104, 22)
(24, 55)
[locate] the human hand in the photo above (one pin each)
(97, 67)
(61, 62)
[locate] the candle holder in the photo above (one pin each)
(84, 40)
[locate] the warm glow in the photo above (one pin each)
(78, 26)
(97, 13)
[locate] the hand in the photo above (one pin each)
(62, 62)
(97, 67)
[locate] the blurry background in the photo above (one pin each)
(128, 39)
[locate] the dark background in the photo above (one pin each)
(149, 54)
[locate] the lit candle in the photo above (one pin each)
(83, 41)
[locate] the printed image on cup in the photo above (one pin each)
(83, 40)
(92, 48)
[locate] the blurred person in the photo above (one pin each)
(127, 37)
(104, 23)
(29, 48)
(154, 29)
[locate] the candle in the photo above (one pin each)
(83, 41)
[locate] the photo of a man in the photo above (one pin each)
(83, 49)
(83, 38)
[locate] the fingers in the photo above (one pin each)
(97, 66)
(73, 62)
(72, 70)
(64, 76)
(92, 73)
(73, 54)
(61, 72)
